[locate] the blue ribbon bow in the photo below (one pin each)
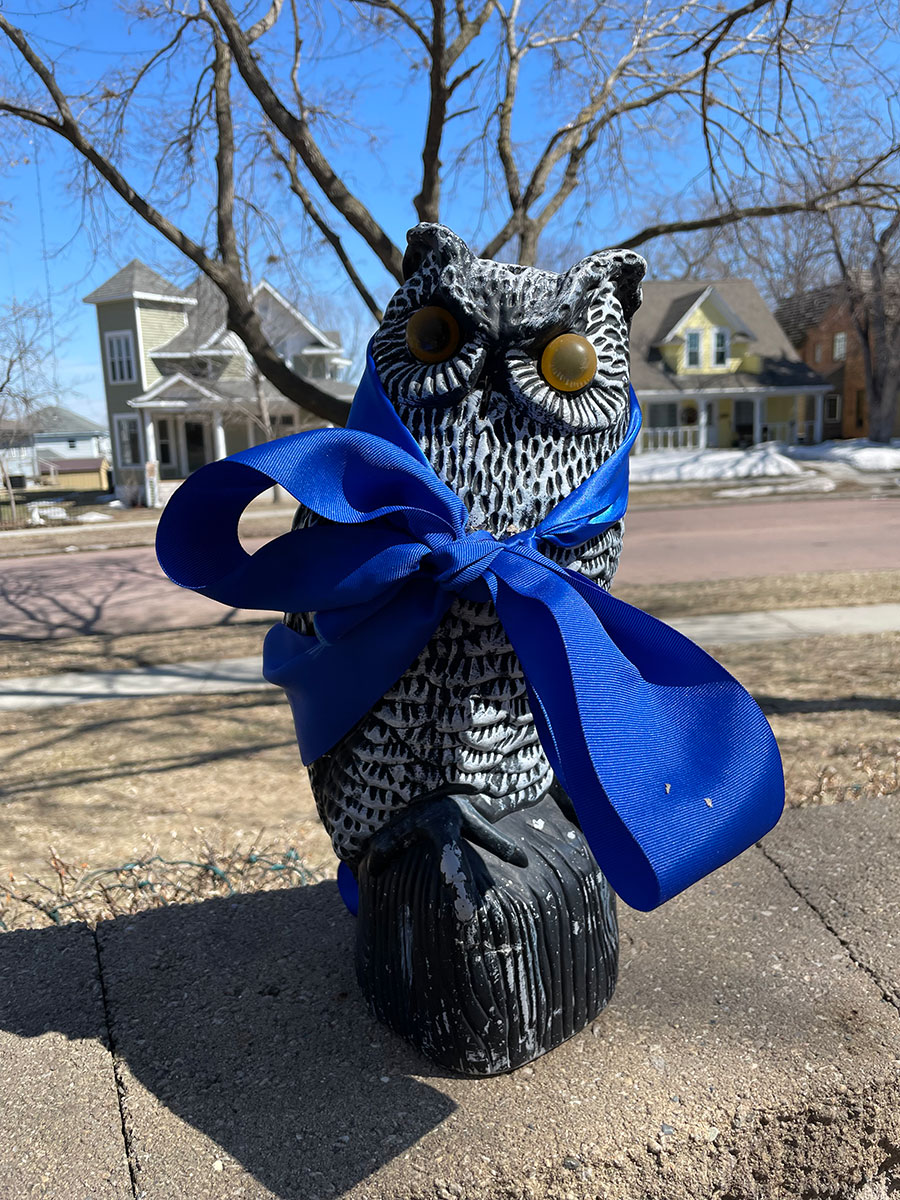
(670, 764)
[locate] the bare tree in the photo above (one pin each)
(545, 105)
(867, 253)
(24, 378)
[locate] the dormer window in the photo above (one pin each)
(692, 348)
(721, 348)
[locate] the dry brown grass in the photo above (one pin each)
(71, 891)
(136, 527)
(126, 651)
(834, 705)
(157, 782)
(114, 780)
(814, 590)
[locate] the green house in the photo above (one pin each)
(712, 367)
(181, 389)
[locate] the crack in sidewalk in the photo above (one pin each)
(117, 1074)
(852, 954)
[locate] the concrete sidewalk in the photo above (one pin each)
(245, 674)
(752, 1051)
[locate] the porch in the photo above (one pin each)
(731, 422)
(175, 439)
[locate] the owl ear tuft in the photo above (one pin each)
(623, 268)
(627, 271)
(436, 241)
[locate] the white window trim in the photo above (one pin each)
(834, 347)
(838, 405)
(687, 357)
(117, 448)
(726, 333)
(107, 338)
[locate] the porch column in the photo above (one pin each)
(703, 427)
(219, 450)
(150, 452)
(758, 402)
(151, 469)
(819, 425)
(182, 447)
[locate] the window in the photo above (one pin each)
(72, 443)
(662, 416)
(720, 353)
(164, 437)
(833, 406)
(692, 348)
(817, 352)
(129, 440)
(120, 357)
(839, 349)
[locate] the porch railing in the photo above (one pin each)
(779, 431)
(676, 437)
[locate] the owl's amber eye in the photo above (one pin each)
(432, 334)
(569, 362)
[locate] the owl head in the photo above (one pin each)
(552, 346)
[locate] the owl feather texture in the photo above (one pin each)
(486, 932)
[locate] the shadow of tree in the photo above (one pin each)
(781, 706)
(104, 593)
(152, 754)
(242, 1018)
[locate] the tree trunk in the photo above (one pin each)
(883, 408)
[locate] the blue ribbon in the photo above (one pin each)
(670, 764)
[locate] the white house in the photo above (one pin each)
(49, 443)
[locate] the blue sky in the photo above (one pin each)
(94, 38)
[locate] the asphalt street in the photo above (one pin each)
(124, 591)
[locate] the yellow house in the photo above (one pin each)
(712, 367)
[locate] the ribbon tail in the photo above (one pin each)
(670, 764)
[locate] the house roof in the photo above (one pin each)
(137, 280)
(64, 466)
(53, 418)
(668, 301)
(181, 390)
(207, 331)
(803, 312)
(206, 317)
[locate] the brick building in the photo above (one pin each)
(821, 330)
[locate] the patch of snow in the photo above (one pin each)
(91, 518)
(116, 504)
(690, 466)
(859, 453)
(817, 483)
(45, 510)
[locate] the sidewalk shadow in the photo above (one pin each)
(243, 1017)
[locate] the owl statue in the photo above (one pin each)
(479, 716)
(486, 931)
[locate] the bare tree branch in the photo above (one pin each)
(296, 130)
(242, 318)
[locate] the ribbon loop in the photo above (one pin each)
(670, 764)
